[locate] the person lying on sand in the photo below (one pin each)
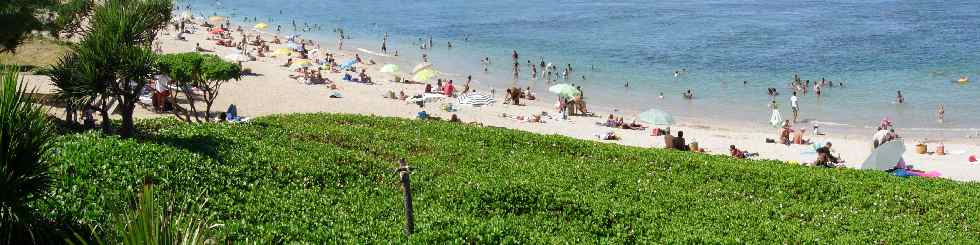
(607, 136)
(198, 48)
(536, 118)
(735, 152)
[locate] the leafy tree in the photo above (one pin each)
(24, 136)
(205, 71)
(114, 59)
(21, 17)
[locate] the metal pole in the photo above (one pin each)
(403, 170)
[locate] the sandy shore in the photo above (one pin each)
(273, 92)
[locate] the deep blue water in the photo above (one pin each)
(874, 47)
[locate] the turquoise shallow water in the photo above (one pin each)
(874, 47)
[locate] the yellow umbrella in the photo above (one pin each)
(425, 75)
(261, 26)
(282, 52)
(216, 19)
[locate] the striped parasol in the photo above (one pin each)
(475, 99)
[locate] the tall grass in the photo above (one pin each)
(24, 136)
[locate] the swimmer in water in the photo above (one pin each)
(661, 95)
(900, 99)
(627, 84)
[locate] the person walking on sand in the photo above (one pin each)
(795, 103)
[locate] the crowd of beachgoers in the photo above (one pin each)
(289, 73)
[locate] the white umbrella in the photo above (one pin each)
(886, 156)
(475, 99)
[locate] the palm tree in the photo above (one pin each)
(24, 136)
(114, 59)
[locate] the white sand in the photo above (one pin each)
(274, 93)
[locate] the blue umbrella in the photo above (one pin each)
(348, 63)
(657, 117)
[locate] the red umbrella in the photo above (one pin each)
(217, 31)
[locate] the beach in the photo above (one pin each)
(272, 92)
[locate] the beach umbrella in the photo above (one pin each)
(428, 98)
(390, 68)
(216, 19)
(886, 156)
(475, 99)
(564, 90)
(302, 62)
(657, 117)
(347, 64)
(421, 66)
(776, 119)
(282, 52)
(186, 15)
(216, 31)
(425, 75)
(261, 26)
(237, 57)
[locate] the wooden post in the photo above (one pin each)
(404, 171)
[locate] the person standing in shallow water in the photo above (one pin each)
(517, 69)
(942, 113)
(795, 103)
(384, 44)
(900, 99)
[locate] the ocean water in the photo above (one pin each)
(732, 50)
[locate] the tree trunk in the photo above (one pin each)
(70, 113)
(128, 128)
(190, 100)
(106, 122)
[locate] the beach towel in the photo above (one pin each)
(336, 95)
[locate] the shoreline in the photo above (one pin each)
(278, 94)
